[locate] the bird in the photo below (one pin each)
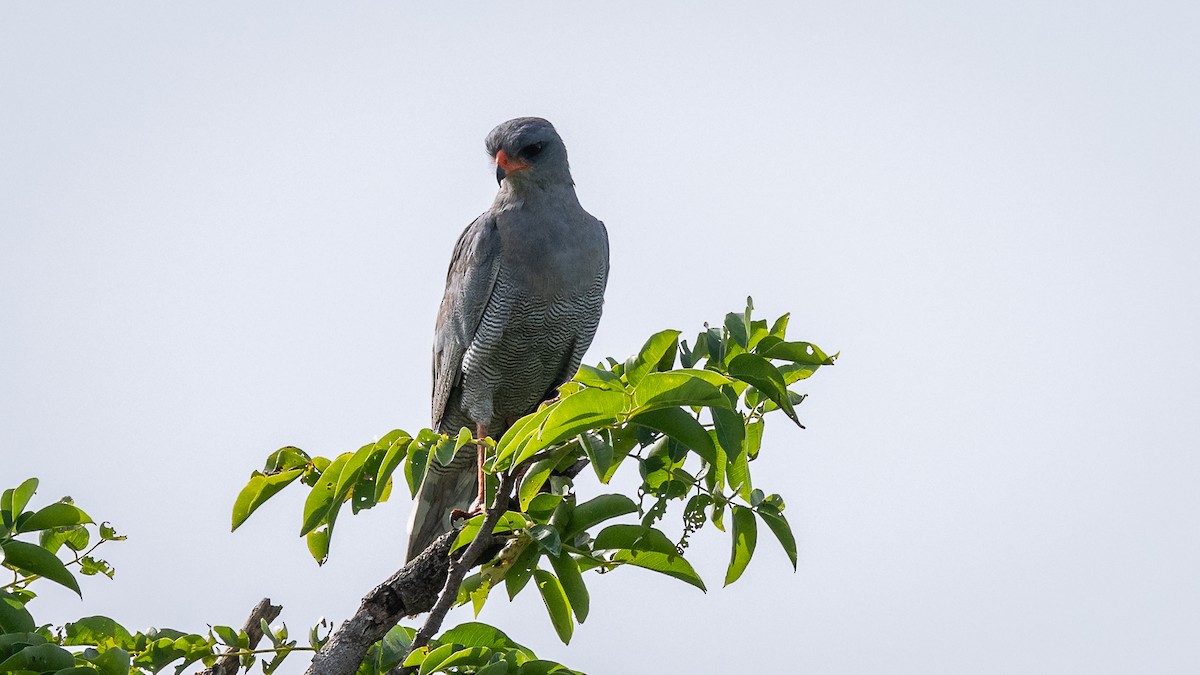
(522, 302)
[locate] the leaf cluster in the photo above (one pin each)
(690, 417)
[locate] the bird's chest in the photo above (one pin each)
(544, 266)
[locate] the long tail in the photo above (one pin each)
(445, 488)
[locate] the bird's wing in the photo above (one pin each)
(469, 284)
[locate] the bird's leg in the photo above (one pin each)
(481, 431)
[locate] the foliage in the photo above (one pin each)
(690, 417)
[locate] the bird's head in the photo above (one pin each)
(528, 153)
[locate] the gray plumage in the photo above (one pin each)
(523, 298)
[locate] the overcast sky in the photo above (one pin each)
(224, 228)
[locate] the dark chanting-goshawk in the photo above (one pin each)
(522, 302)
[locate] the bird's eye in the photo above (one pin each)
(532, 150)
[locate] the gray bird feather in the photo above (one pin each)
(522, 302)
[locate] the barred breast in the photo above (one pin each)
(527, 344)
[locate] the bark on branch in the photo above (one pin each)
(411, 590)
(429, 582)
(263, 611)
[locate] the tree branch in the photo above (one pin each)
(458, 568)
(263, 611)
(428, 582)
(411, 590)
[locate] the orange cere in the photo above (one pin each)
(508, 163)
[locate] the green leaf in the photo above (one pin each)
(434, 659)
(446, 448)
(670, 565)
(394, 646)
(469, 656)
(77, 670)
(598, 378)
(681, 426)
(779, 328)
(735, 324)
(76, 537)
(519, 434)
(352, 471)
(509, 521)
(13, 501)
(561, 517)
(321, 499)
(542, 667)
(395, 445)
(573, 415)
(662, 471)
(758, 331)
(415, 466)
(794, 372)
(542, 506)
(227, 635)
(114, 661)
(286, 459)
(547, 538)
(258, 490)
(536, 476)
(679, 388)
(98, 631)
(754, 432)
(731, 430)
(496, 668)
(522, 569)
(89, 566)
(798, 352)
(598, 452)
(597, 510)
(39, 659)
(11, 643)
(59, 514)
(738, 471)
(657, 354)
(634, 538)
(572, 583)
(556, 603)
(318, 543)
(745, 533)
(475, 634)
(757, 371)
(783, 532)
(14, 618)
(37, 560)
(107, 533)
(276, 661)
(714, 344)
(416, 656)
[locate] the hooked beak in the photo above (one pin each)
(506, 165)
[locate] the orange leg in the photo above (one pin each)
(481, 431)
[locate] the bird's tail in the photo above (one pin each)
(445, 488)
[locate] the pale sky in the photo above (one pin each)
(224, 228)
